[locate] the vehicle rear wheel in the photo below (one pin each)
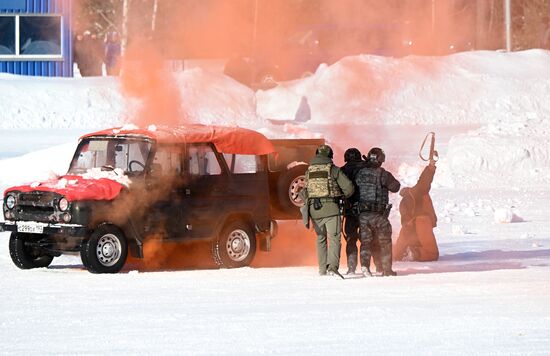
(25, 256)
(289, 187)
(235, 246)
(105, 251)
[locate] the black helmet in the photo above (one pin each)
(325, 150)
(352, 155)
(377, 156)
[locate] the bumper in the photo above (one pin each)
(50, 229)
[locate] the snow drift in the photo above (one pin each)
(470, 87)
(505, 94)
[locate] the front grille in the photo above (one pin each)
(37, 199)
(36, 206)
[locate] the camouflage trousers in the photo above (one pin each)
(375, 228)
(351, 230)
(330, 229)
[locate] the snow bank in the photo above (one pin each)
(506, 93)
(98, 103)
(471, 87)
(211, 98)
(36, 102)
(513, 153)
(36, 166)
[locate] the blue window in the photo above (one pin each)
(7, 35)
(30, 37)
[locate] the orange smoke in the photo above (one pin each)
(144, 77)
(293, 246)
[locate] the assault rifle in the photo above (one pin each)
(434, 156)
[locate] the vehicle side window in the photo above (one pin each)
(203, 161)
(130, 156)
(243, 164)
(169, 160)
(89, 156)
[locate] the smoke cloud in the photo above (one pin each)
(282, 33)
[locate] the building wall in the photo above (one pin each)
(42, 67)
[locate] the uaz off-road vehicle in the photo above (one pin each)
(127, 184)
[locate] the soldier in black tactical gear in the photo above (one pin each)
(374, 183)
(354, 163)
(326, 185)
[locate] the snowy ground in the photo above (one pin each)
(488, 294)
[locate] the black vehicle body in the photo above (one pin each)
(180, 191)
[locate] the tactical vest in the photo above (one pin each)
(320, 183)
(371, 191)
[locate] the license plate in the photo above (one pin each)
(30, 228)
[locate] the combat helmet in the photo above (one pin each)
(324, 150)
(352, 155)
(376, 156)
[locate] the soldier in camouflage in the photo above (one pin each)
(326, 185)
(374, 183)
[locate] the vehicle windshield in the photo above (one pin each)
(130, 155)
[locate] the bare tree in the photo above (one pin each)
(125, 19)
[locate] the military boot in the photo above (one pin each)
(351, 269)
(366, 271)
(385, 260)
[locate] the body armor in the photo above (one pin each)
(320, 183)
(372, 194)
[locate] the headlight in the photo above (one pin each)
(10, 202)
(66, 217)
(63, 204)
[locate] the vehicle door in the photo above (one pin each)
(166, 191)
(248, 186)
(207, 190)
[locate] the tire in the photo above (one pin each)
(105, 251)
(24, 256)
(289, 185)
(235, 246)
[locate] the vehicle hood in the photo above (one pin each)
(76, 187)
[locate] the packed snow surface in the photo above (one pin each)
(487, 294)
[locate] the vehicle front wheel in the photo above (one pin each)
(105, 251)
(24, 255)
(235, 246)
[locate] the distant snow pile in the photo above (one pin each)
(212, 98)
(506, 216)
(470, 87)
(36, 102)
(464, 88)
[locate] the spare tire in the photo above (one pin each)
(290, 183)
